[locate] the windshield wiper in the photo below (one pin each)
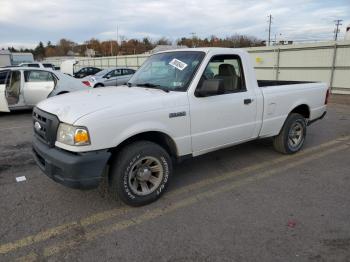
(150, 85)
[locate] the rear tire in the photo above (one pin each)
(140, 173)
(292, 136)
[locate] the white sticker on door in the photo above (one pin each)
(178, 64)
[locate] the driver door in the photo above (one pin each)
(3, 81)
(228, 116)
(124, 78)
(38, 85)
(113, 77)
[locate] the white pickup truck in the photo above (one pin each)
(179, 104)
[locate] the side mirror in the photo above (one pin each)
(210, 87)
(108, 77)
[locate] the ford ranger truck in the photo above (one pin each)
(179, 104)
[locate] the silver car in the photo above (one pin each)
(109, 77)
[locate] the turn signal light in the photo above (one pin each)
(81, 136)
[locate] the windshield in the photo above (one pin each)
(103, 72)
(171, 71)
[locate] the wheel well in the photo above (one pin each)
(63, 92)
(98, 85)
(302, 110)
(159, 138)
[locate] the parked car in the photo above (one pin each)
(110, 77)
(22, 88)
(179, 104)
(38, 65)
(86, 71)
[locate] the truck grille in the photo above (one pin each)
(45, 126)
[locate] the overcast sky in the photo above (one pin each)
(23, 23)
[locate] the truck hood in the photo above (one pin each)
(126, 100)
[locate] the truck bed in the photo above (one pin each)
(264, 83)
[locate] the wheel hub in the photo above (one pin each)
(295, 136)
(143, 174)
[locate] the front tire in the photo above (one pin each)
(292, 136)
(98, 85)
(140, 173)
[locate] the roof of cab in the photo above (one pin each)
(201, 49)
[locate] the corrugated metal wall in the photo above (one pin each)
(132, 61)
(327, 62)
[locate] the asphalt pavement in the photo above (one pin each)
(245, 203)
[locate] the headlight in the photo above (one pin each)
(73, 135)
(93, 79)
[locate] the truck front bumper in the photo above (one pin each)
(76, 170)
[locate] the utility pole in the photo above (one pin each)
(336, 30)
(193, 36)
(270, 22)
(117, 32)
(116, 49)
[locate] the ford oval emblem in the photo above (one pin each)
(37, 126)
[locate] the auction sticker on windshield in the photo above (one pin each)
(178, 64)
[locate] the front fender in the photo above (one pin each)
(139, 128)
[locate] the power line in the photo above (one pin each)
(336, 30)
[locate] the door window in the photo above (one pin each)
(48, 65)
(114, 73)
(4, 77)
(33, 65)
(117, 72)
(128, 71)
(224, 73)
(38, 76)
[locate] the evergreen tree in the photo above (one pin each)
(39, 51)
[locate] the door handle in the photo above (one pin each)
(248, 101)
